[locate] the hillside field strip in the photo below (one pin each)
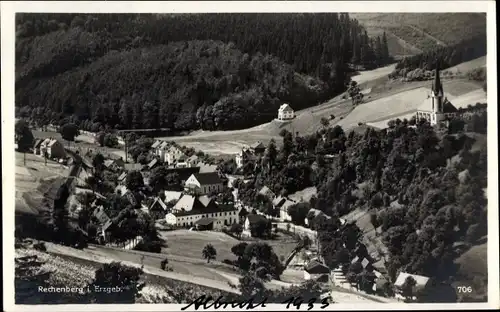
(465, 67)
(32, 176)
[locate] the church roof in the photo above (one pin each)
(426, 106)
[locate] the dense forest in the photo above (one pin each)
(424, 190)
(185, 71)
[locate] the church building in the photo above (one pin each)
(436, 108)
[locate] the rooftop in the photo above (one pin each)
(316, 267)
(421, 280)
(205, 221)
(208, 178)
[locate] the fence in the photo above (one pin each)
(128, 244)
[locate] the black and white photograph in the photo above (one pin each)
(235, 160)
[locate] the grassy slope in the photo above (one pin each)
(422, 31)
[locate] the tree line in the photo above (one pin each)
(183, 72)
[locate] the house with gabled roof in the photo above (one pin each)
(315, 269)
(53, 148)
(266, 192)
(285, 112)
(204, 183)
(114, 164)
(258, 148)
(422, 283)
(193, 161)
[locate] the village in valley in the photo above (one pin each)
(317, 200)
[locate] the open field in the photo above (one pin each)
(190, 243)
(373, 74)
(178, 240)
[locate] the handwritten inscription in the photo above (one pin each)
(205, 302)
(298, 301)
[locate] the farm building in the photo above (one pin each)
(285, 112)
(204, 183)
(436, 108)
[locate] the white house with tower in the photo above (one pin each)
(436, 108)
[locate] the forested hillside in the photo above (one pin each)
(193, 70)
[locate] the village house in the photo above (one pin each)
(193, 161)
(266, 192)
(189, 210)
(158, 209)
(204, 183)
(105, 223)
(285, 112)
(242, 157)
(436, 108)
(53, 148)
(315, 270)
(365, 263)
(114, 164)
(282, 204)
(161, 150)
(422, 283)
(252, 219)
(313, 217)
(248, 153)
(172, 155)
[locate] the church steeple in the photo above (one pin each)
(437, 87)
(437, 92)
